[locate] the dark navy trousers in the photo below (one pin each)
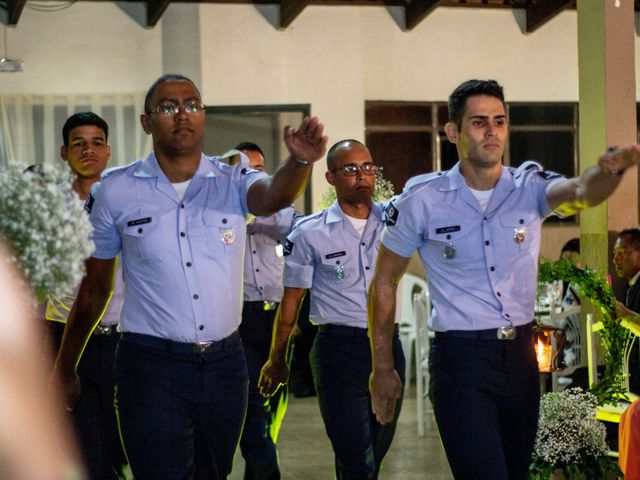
(180, 411)
(264, 415)
(94, 416)
(486, 396)
(341, 366)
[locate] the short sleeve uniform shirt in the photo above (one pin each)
(481, 265)
(182, 259)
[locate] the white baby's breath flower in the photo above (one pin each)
(382, 192)
(568, 432)
(45, 226)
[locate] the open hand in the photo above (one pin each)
(307, 143)
(386, 389)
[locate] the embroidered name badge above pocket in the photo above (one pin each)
(335, 255)
(140, 221)
(453, 228)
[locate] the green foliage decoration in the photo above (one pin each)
(613, 336)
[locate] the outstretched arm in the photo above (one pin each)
(94, 294)
(595, 184)
(384, 383)
(276, 371)
(306, 146)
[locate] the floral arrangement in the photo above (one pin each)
(382, 192)
(613, 336)
(45, 226)
(570, 439)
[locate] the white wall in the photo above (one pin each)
(333, 58)
(88, 47)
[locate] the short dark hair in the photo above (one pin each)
(81, 119)
(252, 147)
(335, 149)
(633, 234)
(572, 245)
(168, 77)
(470, 88)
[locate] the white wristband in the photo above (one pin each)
(301, 162)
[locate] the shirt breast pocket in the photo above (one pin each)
(518, 231)
(223, 233)
(142, 238)
(453, 246)
(336, 267)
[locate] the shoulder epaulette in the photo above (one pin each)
(421, 180)
(306, 219)
(119, 168)
(525, 166)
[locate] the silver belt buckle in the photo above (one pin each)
(102, 330)
(506, 333)
(202, 347)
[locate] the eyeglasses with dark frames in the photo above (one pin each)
(172, 108)
(351, 169)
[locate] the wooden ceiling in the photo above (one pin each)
(537, 12)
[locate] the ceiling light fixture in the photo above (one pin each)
(7, 64)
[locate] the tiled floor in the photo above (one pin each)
(305, 451)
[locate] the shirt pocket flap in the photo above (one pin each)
(516, 219)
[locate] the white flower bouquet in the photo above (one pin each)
(46, 227)
(382, 192)
(570, 439)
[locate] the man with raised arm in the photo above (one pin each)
(477, 228)
(332, 254)
(177, 218)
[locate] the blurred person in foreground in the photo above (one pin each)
(36, 441)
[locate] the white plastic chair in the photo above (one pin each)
(409, 284)
(421, 313)
(569, 320)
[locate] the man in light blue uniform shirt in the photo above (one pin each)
(477, 230)
(332, 254)
(263, 265)
(86, 151)
(178, 220)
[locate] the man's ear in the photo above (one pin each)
(63, 152)
(144, 121)
(451, 129)
(108, 152)
(330, 176)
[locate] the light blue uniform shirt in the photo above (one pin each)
(263, 255)
(481, 266)
(182, 260)
(325, 254)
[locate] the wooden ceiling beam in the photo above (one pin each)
(539, 12)
(416, 10)
(290, 9)
(155, 9)
(14, 10)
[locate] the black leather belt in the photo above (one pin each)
(345, 330)
(167, 345)
(502, 333)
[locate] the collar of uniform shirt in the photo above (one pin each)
(335, 213)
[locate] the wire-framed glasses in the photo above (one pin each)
(172, 108)
(351, 169)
